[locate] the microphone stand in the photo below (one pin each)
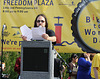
(2, 48)
(69, 70)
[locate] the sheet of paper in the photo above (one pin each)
(37, 33)
(26, 32)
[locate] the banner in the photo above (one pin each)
(76, 23)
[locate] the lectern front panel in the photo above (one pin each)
(35, 59)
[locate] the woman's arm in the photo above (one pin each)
(84, 63)
(95, 72)
(47, 37)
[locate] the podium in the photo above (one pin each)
(37, 60)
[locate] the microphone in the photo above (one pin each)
(4, 26)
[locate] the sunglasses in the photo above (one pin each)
(40, 21)
(75, 58)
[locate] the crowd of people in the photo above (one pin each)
(88, 66)
(82, 67)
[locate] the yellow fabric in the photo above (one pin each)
(63, 13)
(16, 13)
(96, 63)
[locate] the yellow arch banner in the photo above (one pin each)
(72, 21)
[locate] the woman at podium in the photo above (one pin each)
(41, 20)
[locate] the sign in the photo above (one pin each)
(76, 23)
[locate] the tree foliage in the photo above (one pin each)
(9, 58)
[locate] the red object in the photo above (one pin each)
(93, 16)
(69, 77)
(61, 77)
(17, 65)
(58, 34)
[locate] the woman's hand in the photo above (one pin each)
(24, 38)
(88, 56)
(45, 36)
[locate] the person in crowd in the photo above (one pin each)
(73, 66)
(58, 68)
(3, 66)
(84, 66)
(41, 20)
(95, 69)
(91, 57)
(17, 66)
